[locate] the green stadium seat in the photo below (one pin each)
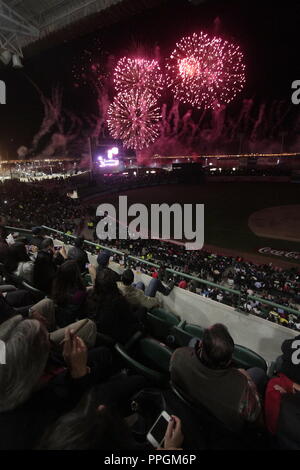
(167, 317)
(184, 332)
(195, 331)
(154, 354)
(136, 366)
(180, 338)
(160, 326)
(246, 358)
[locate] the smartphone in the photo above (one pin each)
(87, 265)
(157, 433)
(57, 247)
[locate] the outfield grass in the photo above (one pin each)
(227, 209)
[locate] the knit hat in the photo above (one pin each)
(103, 258)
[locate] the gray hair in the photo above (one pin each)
(27, 351)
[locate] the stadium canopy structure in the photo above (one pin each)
(29, 26)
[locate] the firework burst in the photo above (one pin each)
(87, 68)
(138, 75)
(205, 71)
(134, 118)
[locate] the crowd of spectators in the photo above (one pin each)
(266, 281)
(27, 205)
(63, 384)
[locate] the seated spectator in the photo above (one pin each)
(35, 390)
(68, 293)
(22, 264)
(182, 284)
(94, 426)
(134, 295)
(78, 254)
(109, 309)
(46, 264)
(287, 382)
(288, 429)
(156, 284)
(38, 237)
(205, 375)
(193, 286)
(290, 365)
(103, 262)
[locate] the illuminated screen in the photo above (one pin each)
(159, 429)
(110, 160)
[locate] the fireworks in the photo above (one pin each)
(87, 68)
(138, 75)
(134, 118)
(206, 72)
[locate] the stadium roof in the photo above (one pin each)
(35, 24)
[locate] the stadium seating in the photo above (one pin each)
(181, 334)
(129, 362)
(245, 358)
(154, 354)
(159, 323)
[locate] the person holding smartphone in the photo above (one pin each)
(172, 438)
(91, 426)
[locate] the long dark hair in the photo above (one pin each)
(87, 428)
(106, 295)
(105, 285)
(67, 280)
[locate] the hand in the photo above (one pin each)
(92, 269)
(296, 387)
(244, 372)
(280, 389)
(93, 272)
(38, 316)
(63, 252)
(75, 354)
(173, 437)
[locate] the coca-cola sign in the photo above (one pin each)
(287, 254)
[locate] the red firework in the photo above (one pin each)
(206, 72)
(138, 74)
(134, 118)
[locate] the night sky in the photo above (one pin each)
(267, 32)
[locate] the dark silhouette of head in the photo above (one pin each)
(79, 242)
(128, 277)
(216, 347)
(103, 259)
(67, 279)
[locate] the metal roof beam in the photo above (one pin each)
(11, 21)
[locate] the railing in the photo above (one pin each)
(97, 246)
